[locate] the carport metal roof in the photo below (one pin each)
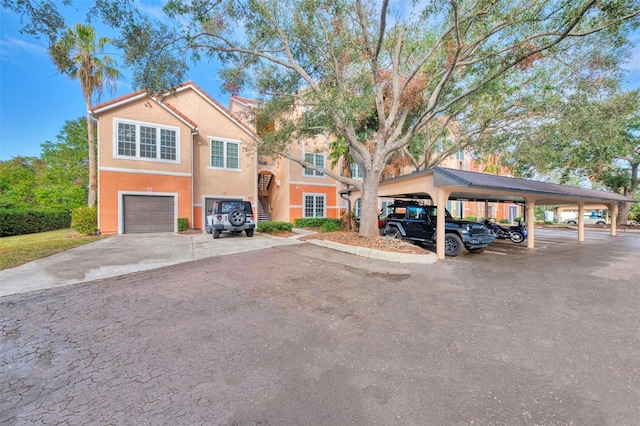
(475, 186)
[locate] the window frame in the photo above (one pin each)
(356, 173)
(306, 172)
(315, 208)
(225, 153)
(158, 147)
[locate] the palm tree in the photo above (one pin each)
(79, 55)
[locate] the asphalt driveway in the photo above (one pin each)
(304, 335)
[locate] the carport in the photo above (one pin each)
(441, 185)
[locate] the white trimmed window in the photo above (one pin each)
(316, 160)
(356, 173)
(358, 207)
(460, 155)
(146, 141)
(225, 154)
(314, 205)
(384, 207)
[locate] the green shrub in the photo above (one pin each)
(472, 218)
(28, 221)
(183, 224)
(85, 220)
(272, 227)
(315, 222)
(505, 221)
(329, 227)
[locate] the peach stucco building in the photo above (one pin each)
(164, 159)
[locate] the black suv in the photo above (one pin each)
(414, 222)
(234, 216)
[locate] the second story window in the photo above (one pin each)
(225, 154)
(145, 141)
(460, 155)
(356, 173)
(315, 159)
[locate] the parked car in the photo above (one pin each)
(232, 216)
(589, 219)
(417, 223)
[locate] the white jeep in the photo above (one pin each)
(233, 216)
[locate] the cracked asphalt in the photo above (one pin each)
(304, 335)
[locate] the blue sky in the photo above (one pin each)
(35, 101)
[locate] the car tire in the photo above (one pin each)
(600, 223)
(452, 245)
(215, 233)
(572, 222)
(249, 232)
(237, 218)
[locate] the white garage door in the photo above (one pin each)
(148, 213)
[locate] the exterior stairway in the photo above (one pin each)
(263, 216)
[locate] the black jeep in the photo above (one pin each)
(412, 221)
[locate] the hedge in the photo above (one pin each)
(269, 226)
(315, 222)
(30, 221)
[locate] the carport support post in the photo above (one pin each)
(530, 205)
(443, 197)
(614, 218)
(580, 221)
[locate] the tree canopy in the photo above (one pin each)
(58, 179)
(377, 75)
(385, 80)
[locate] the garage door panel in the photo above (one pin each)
(147, 213)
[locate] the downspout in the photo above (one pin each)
(348, 200)
(97, 136)
(194, 132)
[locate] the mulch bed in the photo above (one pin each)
(379, 243)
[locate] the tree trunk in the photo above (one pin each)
(369, 206)
(93, 178)
(623, 213)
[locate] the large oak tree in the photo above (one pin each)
(374, 75)
(381, 78)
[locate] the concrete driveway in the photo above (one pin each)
(123, 254)
(302, 335)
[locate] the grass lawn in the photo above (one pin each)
(20, 249)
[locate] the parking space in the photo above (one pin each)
(548, 238)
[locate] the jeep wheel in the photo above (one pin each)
(393, 231)
(452, 245)
(215, 233)
(237, 218)
(600, 223)
(249, 232)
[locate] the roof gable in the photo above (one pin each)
(165, 103)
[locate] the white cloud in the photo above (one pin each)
(12, 48)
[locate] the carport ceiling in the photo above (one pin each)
(474, 186)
